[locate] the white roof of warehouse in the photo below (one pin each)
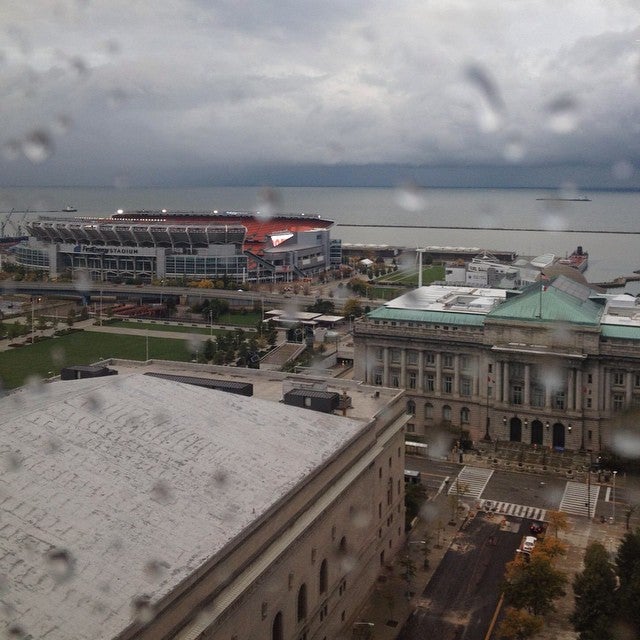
(137, 481)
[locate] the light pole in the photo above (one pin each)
(613, 502)
(210, 323)
(147, 344)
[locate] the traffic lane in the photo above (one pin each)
(461, 597)
(432, 473)
(544, 492)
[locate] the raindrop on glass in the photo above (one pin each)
(491, 105)
(269, 203)
(622, 170)
(61, 124)
(219, 477)
(142, 609)
(116, 98)
(563, 114)
(79, 66)
(161, 492)
(155, 569)
(60, 563)
(37, 146)
(411, 197)
(81, 280)
(513, 150)
(16, 632)
(12, 461)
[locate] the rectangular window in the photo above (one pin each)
(395, 379)
(379, 353)
(516, 394)
(490, 368)
(447, 384)
(428, 411)
(589, 378)
(465, 386)
(413, 379)
(377, 377)
(430, 382)
(588, 403)
(430, 357)
(412, 357)
(447, 361)
(618, 378)
(537, 397)
(636, 379)
(559, 400)
(465, 363)
(618, 401)
(395, 355)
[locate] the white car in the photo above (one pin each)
(528, 544)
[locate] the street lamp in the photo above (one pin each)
(613, 502)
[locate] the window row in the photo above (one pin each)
(465, 413)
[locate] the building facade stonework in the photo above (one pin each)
(555, 365)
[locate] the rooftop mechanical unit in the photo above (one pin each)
(230, 386)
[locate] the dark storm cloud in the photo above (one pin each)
(145, 91)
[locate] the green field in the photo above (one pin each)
(47, 358)
(409, 277)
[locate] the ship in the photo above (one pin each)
(579, 259)
(69, 209)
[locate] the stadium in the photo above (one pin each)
(158, 245)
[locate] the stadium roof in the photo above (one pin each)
(124, 485)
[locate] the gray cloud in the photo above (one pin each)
(143, 89)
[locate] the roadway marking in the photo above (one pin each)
(512, 509)
(473, 480)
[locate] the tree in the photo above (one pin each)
(595, 598)
(71, 316)
(519, 624)
(533, 584)
(352, 307)
(628, 569)
(209, 349)
(551, 547)
(558, 522)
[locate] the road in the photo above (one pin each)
(460, 600)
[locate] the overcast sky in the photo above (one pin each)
(364, 91)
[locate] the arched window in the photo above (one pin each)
(446, 413)
(324, 576)
(464, 415)
(302, 602)
(428, 411)
(343, 545)
(411, 407)
(277, 632)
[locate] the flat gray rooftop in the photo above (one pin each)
(122, 486)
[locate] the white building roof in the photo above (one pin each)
(450, 298)
(122, 486)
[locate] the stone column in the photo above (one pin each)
(628, 390)
(456, 375)
(498, 381)
(606, 391)
(571, 381)
(385, 365)
(421, 370)
(505, 383)
(527, 385)
(403, 368)
(438, 389)
(579, 394)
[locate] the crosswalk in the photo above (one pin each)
(471, 481)
(512, 509)
(578, 497)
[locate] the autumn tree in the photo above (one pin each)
(595, 598)
(519, 624)
(558, 522)
(533, 583)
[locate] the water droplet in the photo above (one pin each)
(411, 197)
(94, 403)
(16, 632)
(360, 518)
(269, 203)
(37, 146)
(112, 47)
(79, 66)
(155, 569)
(35, 385)
(60, 563)
(161, 493)
(563, 114)
(142, 609)
(490, 105)
(58, 356)
(622, 170)
(626, 443)
(82, 280)
(52, 445)
(116, 98)
(513, 149)
(219, 477)
(61, 124)
(12, 460)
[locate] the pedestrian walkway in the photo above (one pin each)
(471, 481)
(579, 496)
(512, 509)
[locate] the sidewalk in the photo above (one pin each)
(390, 605)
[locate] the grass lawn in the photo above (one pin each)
(41, 358)
(249, 319)
(409, 277)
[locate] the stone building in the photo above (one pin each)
(554, 365)
(142, 507)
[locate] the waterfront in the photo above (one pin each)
(506, 219)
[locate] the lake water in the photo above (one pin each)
(607, 226)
